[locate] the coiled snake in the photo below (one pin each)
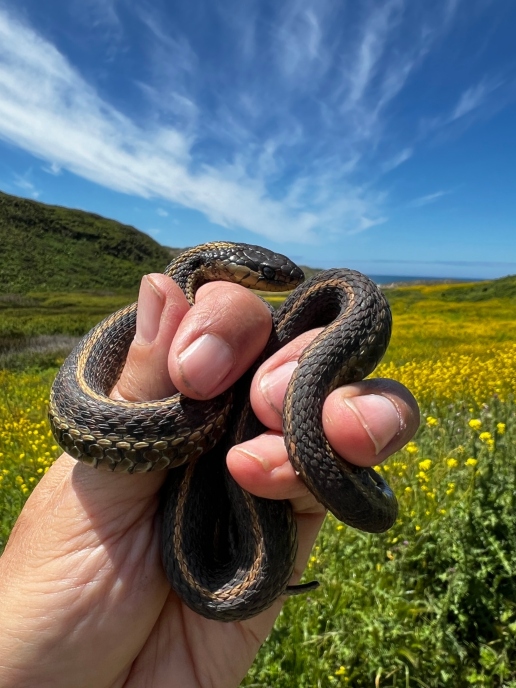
(227, 553)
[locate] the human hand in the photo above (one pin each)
(85, 602)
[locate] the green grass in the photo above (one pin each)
(432, 602)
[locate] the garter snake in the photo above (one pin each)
(227, 553)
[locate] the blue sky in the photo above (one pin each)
(378, 135)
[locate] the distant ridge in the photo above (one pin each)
(51, 248)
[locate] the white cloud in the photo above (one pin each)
(161, 212)
(429, 198)
(397, 159)
(23, 182)
(473, 98)
(47, 108)
(377, 29)
(299, 40)
(53, 169)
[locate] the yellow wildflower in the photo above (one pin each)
(341, 671)
(485, 436)
(411, 448)
(452, 463)
(475, 423)
(431, 421)
(471, 462)
(425, 465)
(500, 428)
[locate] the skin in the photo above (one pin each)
(84, 598)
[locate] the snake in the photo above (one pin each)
(227, 553)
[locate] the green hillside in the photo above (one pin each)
(48, 248)
(502, 288)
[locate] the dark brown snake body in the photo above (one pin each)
(227, 553)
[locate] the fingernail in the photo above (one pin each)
(150, 307)
(263, 461)
(274, 384)
(268, 451)
(378, 412)
(205, 363)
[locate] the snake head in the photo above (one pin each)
(262, 269)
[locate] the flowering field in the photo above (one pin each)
(433, 601)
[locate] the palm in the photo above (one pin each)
(130, 629)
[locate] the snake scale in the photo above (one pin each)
(228, 554)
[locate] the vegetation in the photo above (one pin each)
(433, 601)
(430, 603)
(48, 248)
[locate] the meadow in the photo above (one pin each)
(432, 602)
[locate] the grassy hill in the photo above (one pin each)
(49, 248)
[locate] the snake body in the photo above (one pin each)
(227, 553)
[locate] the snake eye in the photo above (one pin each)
(268, 273)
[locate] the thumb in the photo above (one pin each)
(161, 307)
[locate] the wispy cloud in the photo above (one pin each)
(299, 40)
(377, 29)
(53, 169)
(429, 198)
(473, 97)
(397, 159)
(471, 103)
(24, 183)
